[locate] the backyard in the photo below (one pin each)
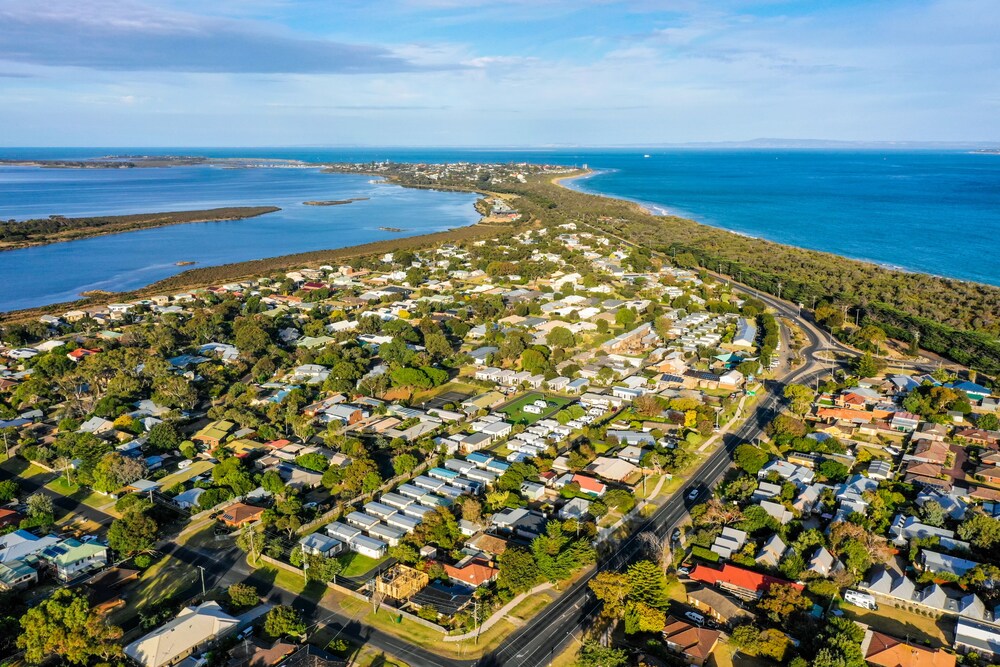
(515, 409)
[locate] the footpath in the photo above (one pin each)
(498, 615)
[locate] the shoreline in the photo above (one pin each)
(134, 222)
(206, 276)
(650, 209)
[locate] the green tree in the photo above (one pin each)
(313, 461)
(133, 533)
(320, 568)
(612, 589)
(243, 596)
(518, 571)
(164, 437)
(647, 584)
(833, 471)
(63, 625)
(867, 366)
(40, 511)
(560, 337)
(8, 491)
(982, 531)
(283, 621)
(271, 482)
(625, 316)
(799, 397)
(933, 514)
(750, 458)
(232, 473)
(783, 603)
(404, 463)
(592, 654)
(988, 422)
(114, 471)
(640, 617)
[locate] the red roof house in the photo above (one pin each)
(81, 352)
(739, 581)
(474, 573)
(590, 485)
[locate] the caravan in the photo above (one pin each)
(860, 599)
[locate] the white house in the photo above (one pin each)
(194, 628)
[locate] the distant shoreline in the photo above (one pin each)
(61, 229)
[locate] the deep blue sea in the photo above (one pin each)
(931, 211)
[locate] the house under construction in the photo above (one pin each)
(401, 582)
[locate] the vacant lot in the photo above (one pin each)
(515, 409)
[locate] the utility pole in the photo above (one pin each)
(202, 580)
(476, 612)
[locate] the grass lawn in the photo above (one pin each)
(902, 623)
(568, 657)
(81, 494)
(193, 470)
(355, 563)
(722, 656)
(676, 590)
(291, 582)
(21, 468)
(515, 410)
(385, 619)
(163, 580)
(530, 606)
(651, 482)
(455, 386)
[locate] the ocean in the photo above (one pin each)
(930, 211)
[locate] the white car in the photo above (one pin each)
(693, 494)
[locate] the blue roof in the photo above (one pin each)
(971, 388)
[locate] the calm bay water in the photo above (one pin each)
(931, 211)
(61, 271)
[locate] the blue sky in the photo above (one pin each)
(503, 72)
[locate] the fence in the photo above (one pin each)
(355, 594)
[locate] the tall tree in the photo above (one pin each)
(63, 625)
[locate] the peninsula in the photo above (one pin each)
(335, 202)
(56, 228)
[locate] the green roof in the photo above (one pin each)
(216, 430)
(78, 552)
(13, 570)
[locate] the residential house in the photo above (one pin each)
(193, 629)
(72, 558)
(16, 574)
(977, 637)
(715, 604)
(741, 582)
(474, 573)
(241, 514)
(212, 434)
(881, 650)
(772, 552)
(778, 511)
(692, 643)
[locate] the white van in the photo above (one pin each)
(695, 617)
(859, 599)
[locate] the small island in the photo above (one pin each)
(56, 228)
(391, 229)
(334, 202)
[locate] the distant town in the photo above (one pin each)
(553, 446)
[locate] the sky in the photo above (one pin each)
(495, 73)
